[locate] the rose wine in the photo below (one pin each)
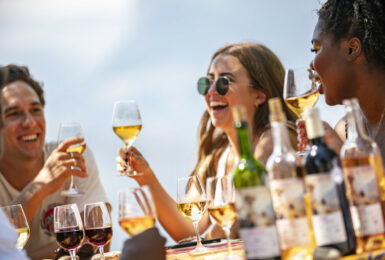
(99, 236)
(192, 210)
(224, 215)
(22, 237)
(69, 238)
(298, 104)
(135, 225)
(127, 133)
(77, 149)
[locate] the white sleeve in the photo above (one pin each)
(8, 238)
(91, 186)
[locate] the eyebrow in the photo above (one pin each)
(35, 103)
(222, 74)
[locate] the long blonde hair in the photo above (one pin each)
(267, 74)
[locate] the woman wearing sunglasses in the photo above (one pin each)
(245, 74)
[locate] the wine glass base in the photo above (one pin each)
(199, 250)
(72, 193)
(232, 257)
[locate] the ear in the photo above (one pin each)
(353, 49)
(260, 98)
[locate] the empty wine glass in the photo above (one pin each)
(97, 225)
(16, 216)
(136, 210)
(221, 200)
(68, 227)
(192, 202)
(69, 130)
(127, 123)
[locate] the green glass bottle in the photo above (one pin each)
(255, 214)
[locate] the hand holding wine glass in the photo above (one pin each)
(68, 227)
(16, 216)
(127, 123)
(136, 210)
(192, 202)
(68, 130)
(97, 225)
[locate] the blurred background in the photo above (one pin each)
(91, 53)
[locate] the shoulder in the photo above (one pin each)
(264, 147)
(340, 128)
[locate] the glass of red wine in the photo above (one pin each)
(97, 225)
(68, 227)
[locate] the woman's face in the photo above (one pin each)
(240, 91)
(330, 65)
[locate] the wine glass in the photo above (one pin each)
(16, 216)
(97, 225)
(68, 227)
(192, 203)
(300, 91)
(127, 123)
(136, 210)
(69, 130)
(221, 206)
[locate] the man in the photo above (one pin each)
(33, 173)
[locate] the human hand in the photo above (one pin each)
(60, 165)
(331, 138)
(303, 140)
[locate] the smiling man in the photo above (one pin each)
(32, 172)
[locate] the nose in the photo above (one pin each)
(28, 120)
(212, 87)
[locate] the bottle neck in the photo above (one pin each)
(320, 140)
(355, 126)
(280, 137)
(244, 141)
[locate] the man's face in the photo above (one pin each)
(24, 122)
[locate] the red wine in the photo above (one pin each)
(69, 238)
(99, 236)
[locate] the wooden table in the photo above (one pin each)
(216, 252)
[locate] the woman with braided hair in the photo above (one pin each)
(349, 46)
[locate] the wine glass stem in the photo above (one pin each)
(101, 251)
(72, 254)
(196, 227)
(71, 183)
(227, 232)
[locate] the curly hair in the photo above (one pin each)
(12, 73)
(364, 19)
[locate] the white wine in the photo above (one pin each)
(298, 104)
(192, 210)
(127, 133)
(224, 215)
(77, 149)
(22, 237)
(135, 225)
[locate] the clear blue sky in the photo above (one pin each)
(91, 53)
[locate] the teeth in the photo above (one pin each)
(29, 137)
(216, 103)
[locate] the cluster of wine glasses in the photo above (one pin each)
(16, 216)
(69, 230)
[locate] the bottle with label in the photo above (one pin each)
(255, 214)
(325, 191)
(287, 191)
(364, 178)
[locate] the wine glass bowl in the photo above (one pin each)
(68, 227)
(136, 210)
(127, 124)
(16, 216)
(69, 130)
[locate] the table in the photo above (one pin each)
(216, 251)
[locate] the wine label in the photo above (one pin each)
(289, 207)
(328, 223)
(364, 200)
(256, 222)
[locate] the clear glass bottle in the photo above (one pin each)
(365, 182)
(255, 214)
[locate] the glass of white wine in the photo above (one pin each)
(69, 130)
(136, 210)
(16, 216)
(127, 123)
(221, 206)
(192, 203)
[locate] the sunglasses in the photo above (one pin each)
(222, 85)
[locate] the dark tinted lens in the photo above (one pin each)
(222, 86)
(203, 85)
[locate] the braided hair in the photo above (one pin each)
(364, 19)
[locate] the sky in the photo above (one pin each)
(91, 53)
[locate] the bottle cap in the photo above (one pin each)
(239, 114)
(276, 112)
(314, 127)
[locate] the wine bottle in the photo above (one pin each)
(287, 191)
(364, 177)
(255, 214)
(326, 192)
